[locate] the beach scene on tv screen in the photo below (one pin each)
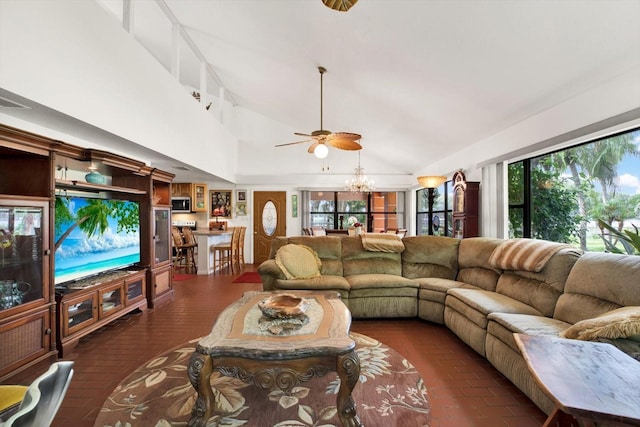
(93, 236)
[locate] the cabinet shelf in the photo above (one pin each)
(82, 310)
(87, 186)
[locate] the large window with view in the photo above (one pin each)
(338, 210)
(441, 214)
(587, 195)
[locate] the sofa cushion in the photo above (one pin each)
(396, 285)
(355, 260)
(298, 261)
(599, 283)
(504, 325)
(623, 322)
(476, 304)
(324, 282)
(430, 256)
(473, 262)
(541, 289)
(328, 248)
(435, 289)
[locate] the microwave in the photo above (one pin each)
(181, 204)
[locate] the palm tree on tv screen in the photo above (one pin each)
(93, 218)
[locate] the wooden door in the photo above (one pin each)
(269, 221)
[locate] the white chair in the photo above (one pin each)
(43, 397)
(318, 231)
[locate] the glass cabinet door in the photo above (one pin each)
(110, 300)
(134, 290)
(22, 260)
(79, 312)
(161, 243)
(199, 198)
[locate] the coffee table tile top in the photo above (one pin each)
(237, 330)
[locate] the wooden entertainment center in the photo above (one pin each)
(38, 320)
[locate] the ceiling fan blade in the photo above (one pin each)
(346, 135)
(293, 143)
(344, 144)
(313, 147)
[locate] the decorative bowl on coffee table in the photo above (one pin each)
(283, 306)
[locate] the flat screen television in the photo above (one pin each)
(94, 236)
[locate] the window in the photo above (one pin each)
(377, 211)
(560, 196)
(441, 214)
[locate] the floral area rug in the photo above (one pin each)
(390, 392)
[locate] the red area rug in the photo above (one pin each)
(248, 277)
(390, 392)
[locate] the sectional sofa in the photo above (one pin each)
(484, 290)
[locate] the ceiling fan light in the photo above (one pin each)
(321, 151)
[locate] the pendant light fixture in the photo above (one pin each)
(359, 183)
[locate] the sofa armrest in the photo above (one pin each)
(269, 273)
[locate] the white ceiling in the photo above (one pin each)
(416, 78)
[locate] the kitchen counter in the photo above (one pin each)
(207, 238)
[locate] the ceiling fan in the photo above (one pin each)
(321, 138)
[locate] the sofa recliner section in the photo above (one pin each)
(458, 283)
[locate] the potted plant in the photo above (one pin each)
(629, 239)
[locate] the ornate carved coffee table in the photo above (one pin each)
(240, 346)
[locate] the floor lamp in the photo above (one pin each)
(431, 182)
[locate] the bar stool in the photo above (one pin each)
(223, 252)
(184, 257)
(190, 246)
(237, 241)
(178, 258)
(241, 247)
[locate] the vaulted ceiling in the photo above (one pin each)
(417, 79)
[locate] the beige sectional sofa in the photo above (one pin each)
(484, 290)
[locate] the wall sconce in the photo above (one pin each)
(431, 182)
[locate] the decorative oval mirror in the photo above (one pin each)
(269, 218)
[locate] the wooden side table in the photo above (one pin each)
(590, 382)
(238, 347)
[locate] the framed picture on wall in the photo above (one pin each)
(241, 208)
(221, 205)
(241, 195)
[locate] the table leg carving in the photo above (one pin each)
(348, 368)
(200, 370)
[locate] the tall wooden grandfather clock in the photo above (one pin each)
(465, 207)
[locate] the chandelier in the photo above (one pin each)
(359, 183)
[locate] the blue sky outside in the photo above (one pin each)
(629, 171)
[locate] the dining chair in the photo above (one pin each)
(42, 398)
(318, 231)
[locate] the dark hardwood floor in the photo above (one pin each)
(464, 389)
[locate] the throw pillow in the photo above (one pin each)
(298, 261)
(623, 322)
